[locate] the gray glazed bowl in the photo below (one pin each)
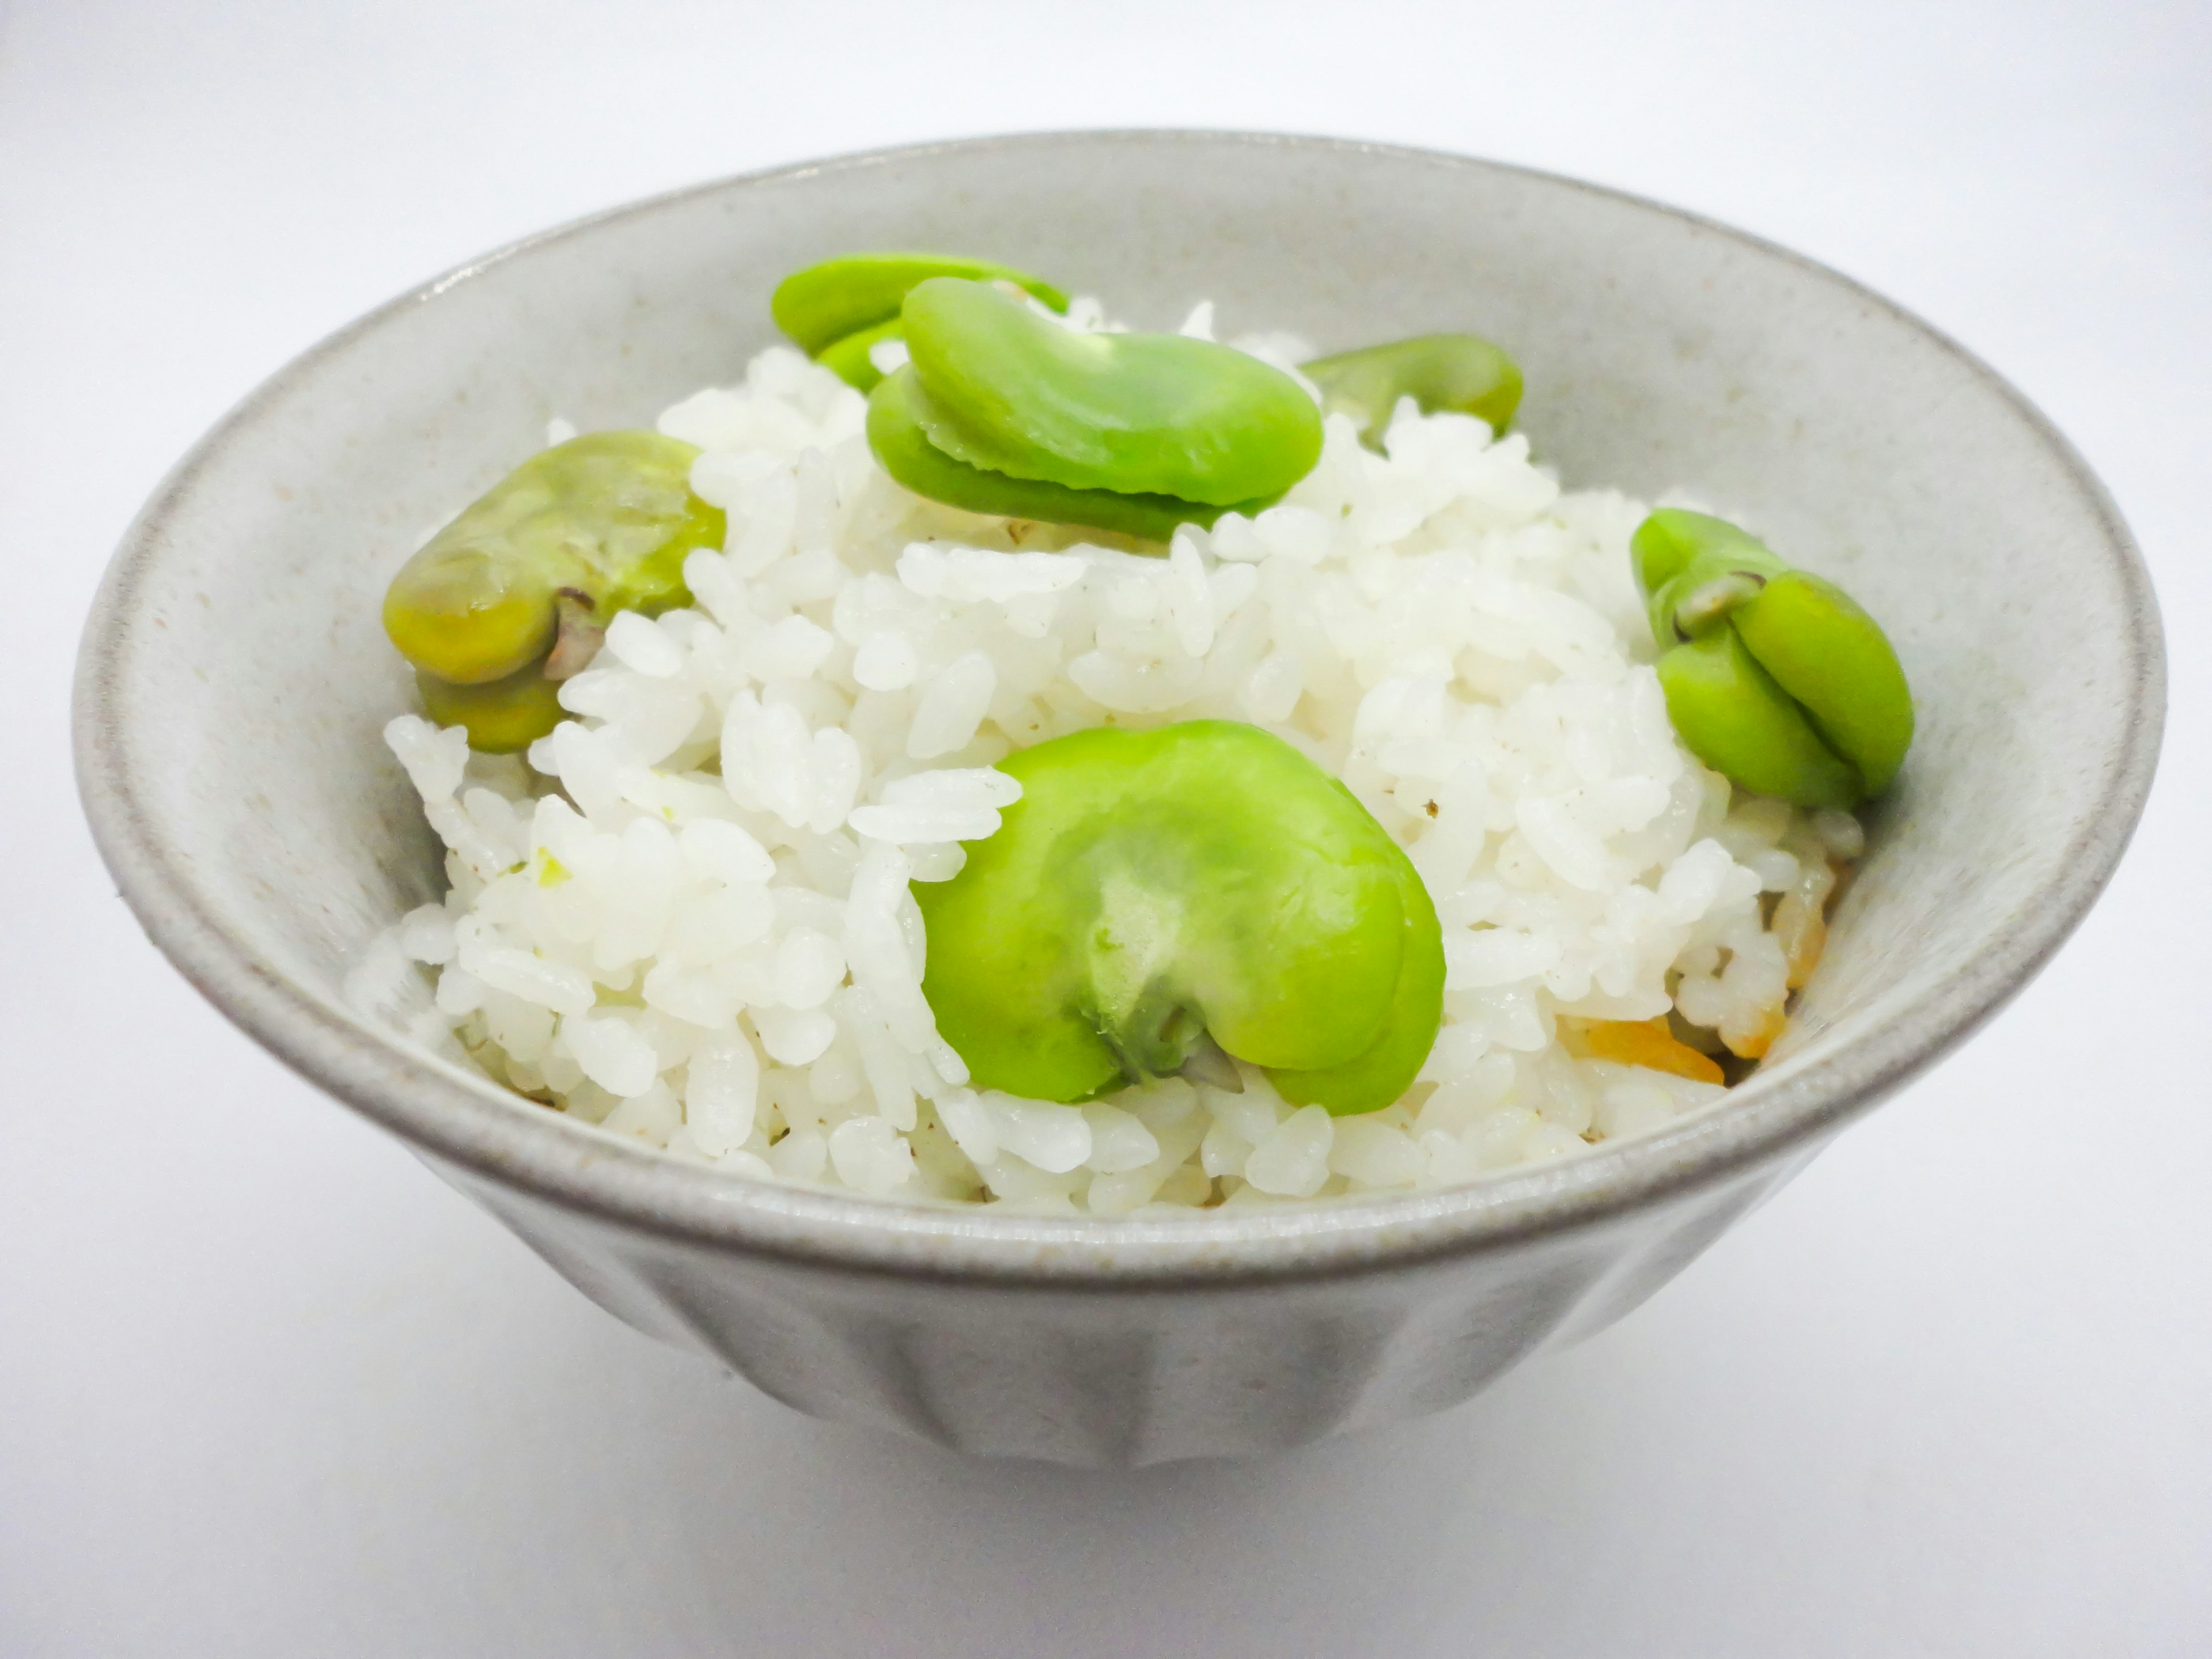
(233, 680)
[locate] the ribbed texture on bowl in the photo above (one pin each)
(1110, 1376)
(233, 680)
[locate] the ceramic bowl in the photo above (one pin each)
(233, 681)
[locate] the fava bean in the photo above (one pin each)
(895, 434)
(502, 716)
(851, 360)
(1773, 676)
(1005, 391)
(826, 302)
(840, 310)
(595, 525)
(1460, 373)
(1157, 900)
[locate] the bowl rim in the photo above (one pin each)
(462, 1121)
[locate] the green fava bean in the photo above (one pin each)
(1005, 391)
(1827, 653)
(1460, 372)
(848, 359)
(1157, 896)
(606, 518)
(1773, 676)
(595, 525)
(895, 433)
(502, 716)
(1738, 721)
(1386, 1068)
(827, 302)
(1667, 541)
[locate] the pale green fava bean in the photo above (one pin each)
(1738, 721)
(502, 716)
(1386, 1068)
(1463, 374)
(1773, 677)
(1670, 538)
(826, 302)
(595, 525)
(840, 310)
(903, 448)
(850, 359)
(1157, 897)
(1007, 391)
(1823, 649)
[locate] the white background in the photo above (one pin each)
(267, 1388)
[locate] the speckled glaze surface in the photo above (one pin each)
(233, 680)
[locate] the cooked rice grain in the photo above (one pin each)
(685, 920)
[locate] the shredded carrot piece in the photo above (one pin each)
(1649, 1043)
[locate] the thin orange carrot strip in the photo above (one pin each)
(1649, 1043)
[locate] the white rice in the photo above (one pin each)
(685, 921)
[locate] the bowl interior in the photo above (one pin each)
(236, 680)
